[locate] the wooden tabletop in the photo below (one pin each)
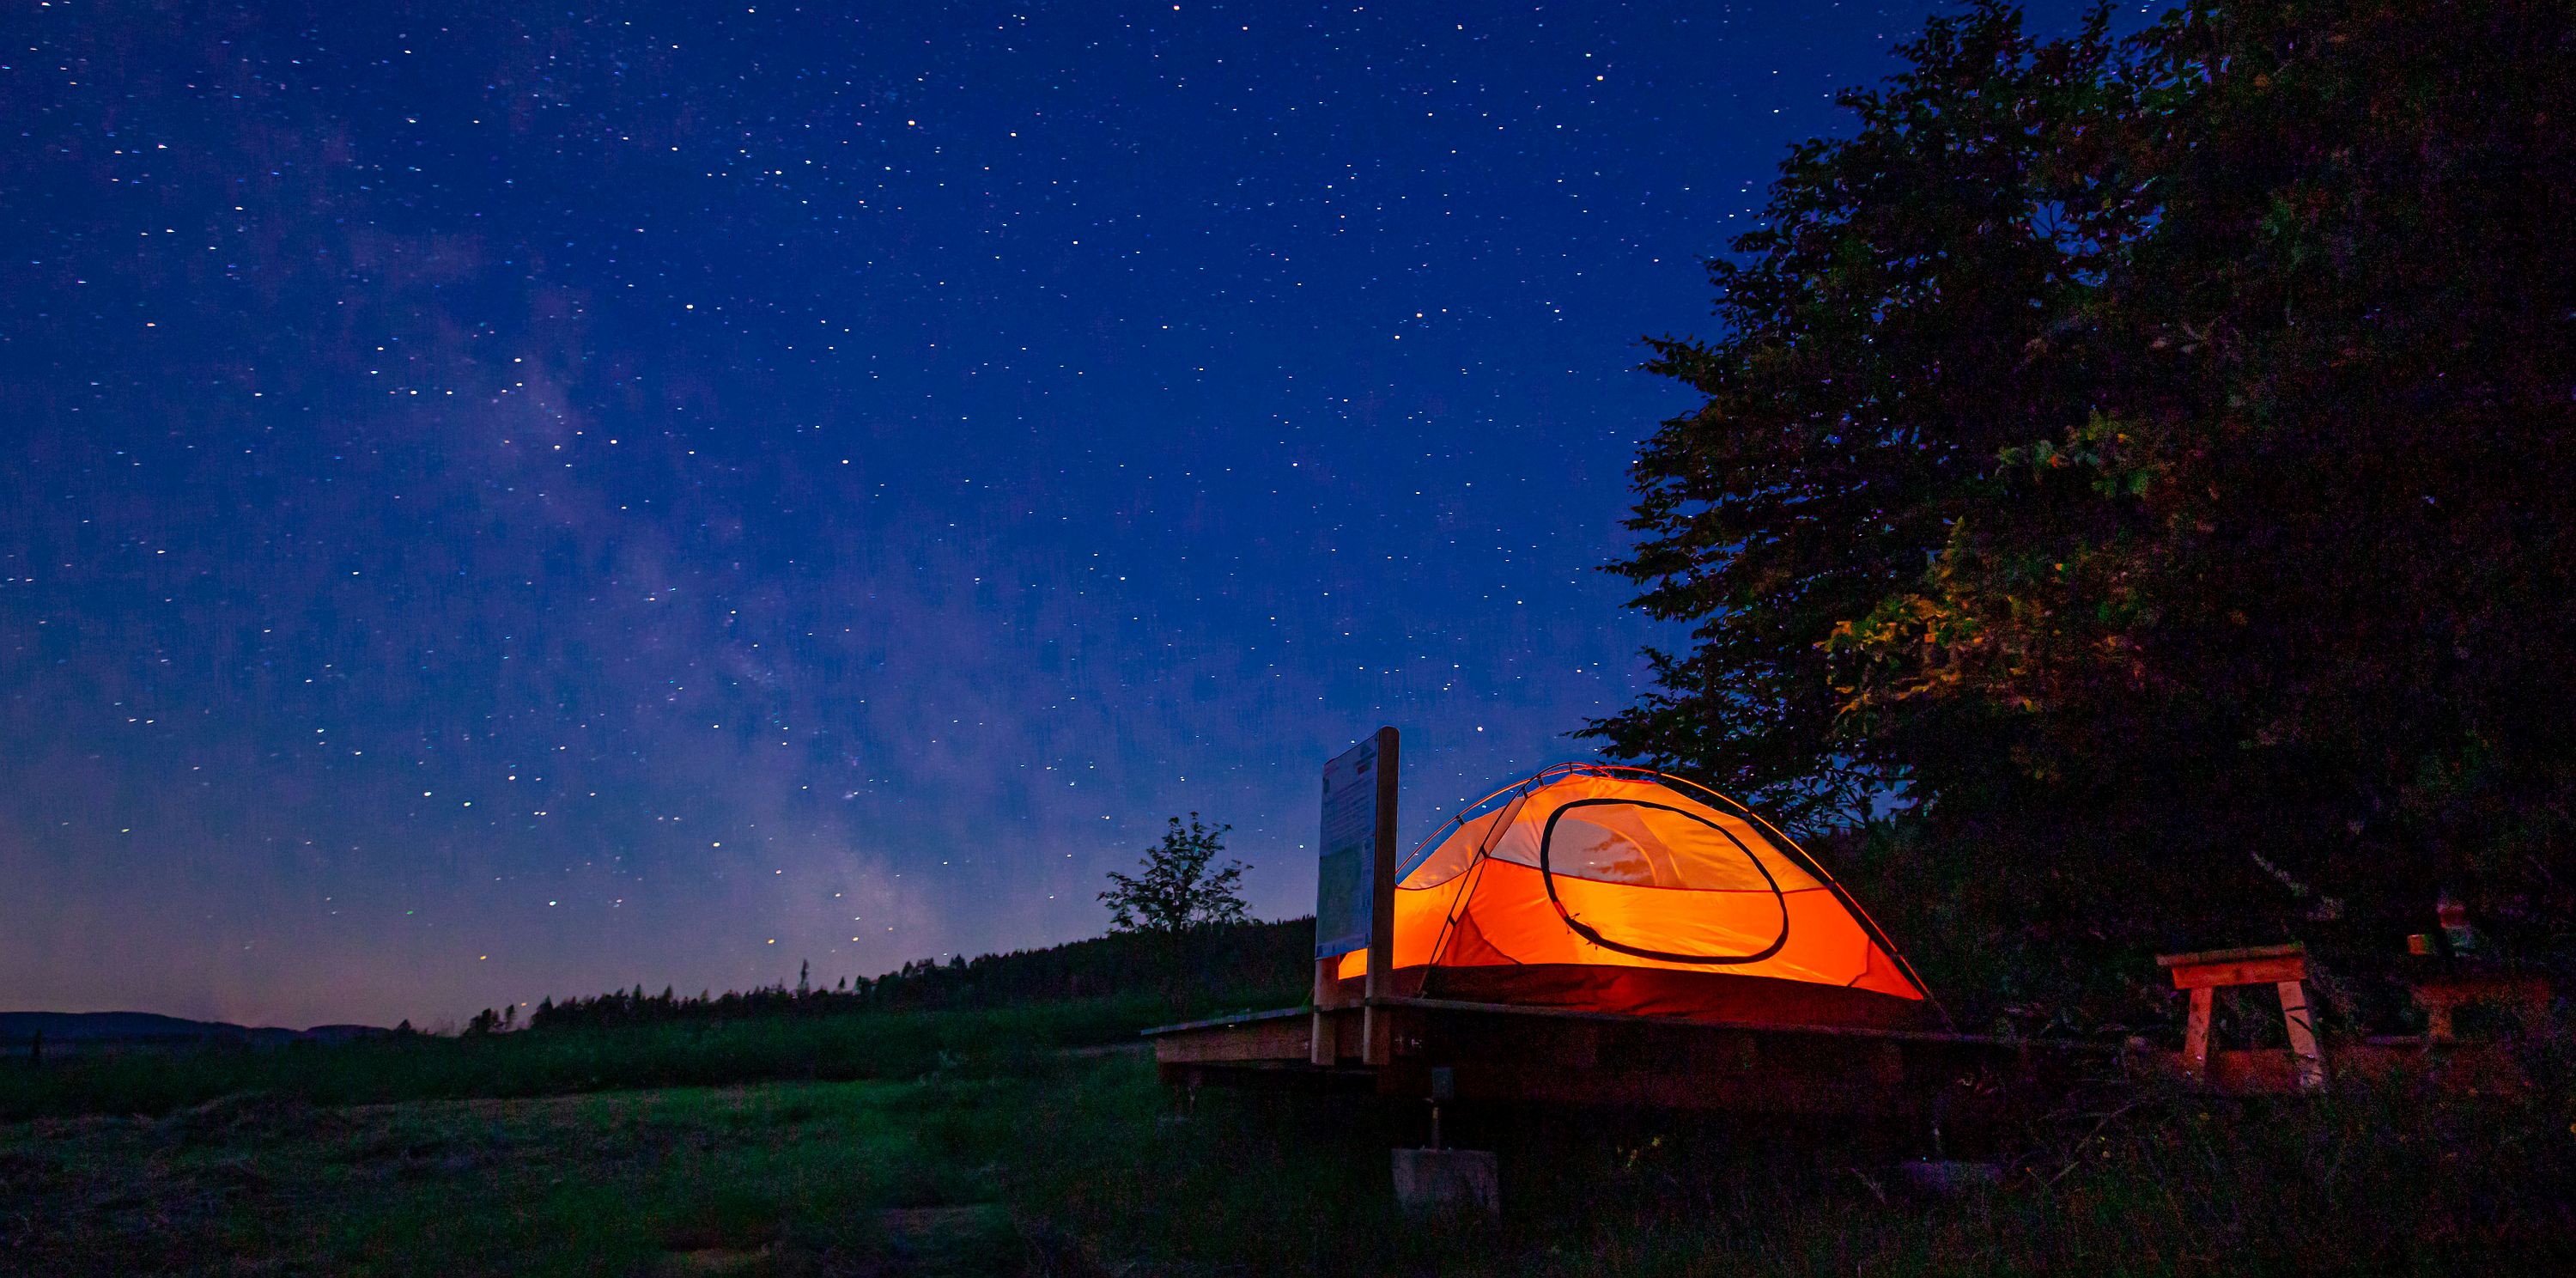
(2237, 955)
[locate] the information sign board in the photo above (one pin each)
(1346, 867)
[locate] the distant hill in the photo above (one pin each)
(77, 1031)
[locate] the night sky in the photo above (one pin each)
(516, 500)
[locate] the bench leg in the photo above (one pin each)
(2311, 1062)
(2195, 1035)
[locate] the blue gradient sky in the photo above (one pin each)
(502, 504)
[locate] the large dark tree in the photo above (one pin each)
(2153, 456)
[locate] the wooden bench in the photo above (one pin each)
(2526, 994)
(2283, 967)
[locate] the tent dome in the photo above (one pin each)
(1606, 888)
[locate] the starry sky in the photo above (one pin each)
(506, 500)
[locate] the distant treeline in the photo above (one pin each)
(1254, 962)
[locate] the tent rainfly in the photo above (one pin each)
(1606, 888)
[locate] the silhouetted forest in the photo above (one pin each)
(1264, 963)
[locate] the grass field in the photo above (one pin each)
(877, 1045)
(955, 1159)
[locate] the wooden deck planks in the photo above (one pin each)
(1511, 1054)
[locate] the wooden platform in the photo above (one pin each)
(1486, 1052)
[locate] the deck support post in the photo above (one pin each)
(1328, 989)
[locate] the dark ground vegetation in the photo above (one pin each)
(1030, 1136)
(1085, 1165)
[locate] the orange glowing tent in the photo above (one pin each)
(1606, 888)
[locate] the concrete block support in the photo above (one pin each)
(1440, 1180)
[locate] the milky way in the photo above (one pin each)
(503, 502)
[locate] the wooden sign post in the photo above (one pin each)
(1375, 1038)
(1355, 890)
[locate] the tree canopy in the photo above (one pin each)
(1179, 889)
(2147, 460)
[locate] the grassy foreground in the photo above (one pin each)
(1081, 1164)
(554, 1062)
